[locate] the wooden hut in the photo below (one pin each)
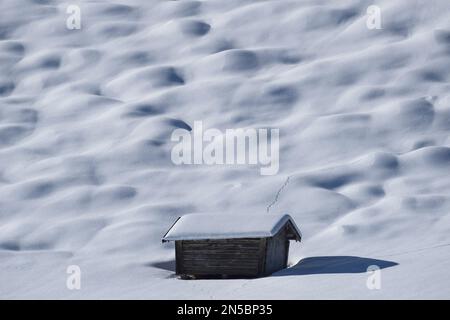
(231, 245)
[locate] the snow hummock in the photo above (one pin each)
(227, 226)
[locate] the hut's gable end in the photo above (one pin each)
(291, 232)
(212, 257)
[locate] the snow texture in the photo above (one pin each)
(228, 226)
(86, 118)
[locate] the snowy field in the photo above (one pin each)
(86, 116)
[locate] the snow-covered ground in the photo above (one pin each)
(86, 116)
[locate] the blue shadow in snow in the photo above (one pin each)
(333, 264)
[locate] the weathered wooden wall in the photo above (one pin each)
(232, 257)
(277, 252)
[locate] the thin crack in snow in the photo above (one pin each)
(278, 194)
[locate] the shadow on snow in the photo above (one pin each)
(333, 264)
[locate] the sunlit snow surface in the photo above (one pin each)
(86, 117)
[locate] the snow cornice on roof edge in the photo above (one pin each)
(228, 226)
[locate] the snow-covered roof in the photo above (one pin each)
(224, 226)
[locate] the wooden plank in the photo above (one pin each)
(230, 255)
(286, 253)
(262, 256)
(225, 246)
(222, 247)
(219, 248)
(222, 260)
(242, 272)
(178, 257)
(217, 264)
(222, 270)
(224, 240)
(240, 241)
(220, 263)
(223, 252)
(224, 257)
(221, 242)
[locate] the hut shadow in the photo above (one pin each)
(333, 264)
(168, 265)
